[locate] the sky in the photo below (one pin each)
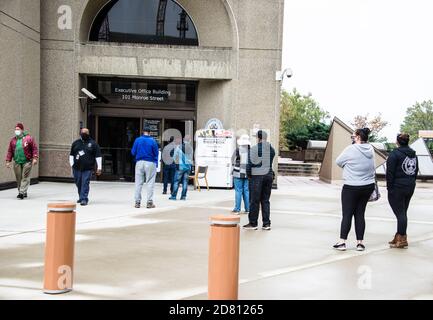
(360, 56)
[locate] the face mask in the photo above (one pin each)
(85, 136)
(18, 133)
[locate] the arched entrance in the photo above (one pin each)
(144, 21)
(125, 105)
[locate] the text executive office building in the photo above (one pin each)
(168, 62)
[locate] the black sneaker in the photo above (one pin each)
(249, 226)
(25, 195)
(138, 205)
(360, 247)
(84, 203)
(150, 205)
(266, 227)
(340, 246)
(164, 192)
(20, 196)
(78, 201)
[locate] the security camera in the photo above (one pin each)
(279, 76)
(289, 73)
(88, 93)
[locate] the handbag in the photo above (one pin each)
(375, 195)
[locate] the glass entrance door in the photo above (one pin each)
(116, 137)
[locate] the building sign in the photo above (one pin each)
(143, 94)
(152, 93)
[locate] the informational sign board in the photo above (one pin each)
(155, 128)
(215, 149)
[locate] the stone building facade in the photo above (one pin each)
(174, 63)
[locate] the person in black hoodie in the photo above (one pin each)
(401, 172)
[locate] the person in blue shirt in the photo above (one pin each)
(145, 151)
(183, 159)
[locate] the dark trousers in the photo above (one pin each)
(260, 193)
(168, 177)
(82, 181)
(399, 200)
(354, 201)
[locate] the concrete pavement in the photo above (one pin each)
(128, 253)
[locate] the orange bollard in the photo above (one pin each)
(223, 277)
(59, 248)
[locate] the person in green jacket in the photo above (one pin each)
(24, 153)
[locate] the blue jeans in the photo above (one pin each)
(242, 192)
(168, 176)
(82, 181)
(181, 175)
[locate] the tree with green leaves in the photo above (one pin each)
(418, 117)
(376, 124)
(301, 120)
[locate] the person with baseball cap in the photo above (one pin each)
(146, 153)
(23, 152)
(240, 178)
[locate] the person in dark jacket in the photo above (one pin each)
(169, 169)
(401, 172)
(260, 175)
(24, 153)
(85, 153)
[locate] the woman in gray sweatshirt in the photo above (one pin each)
(357, 161)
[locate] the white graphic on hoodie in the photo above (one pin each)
(409, 166)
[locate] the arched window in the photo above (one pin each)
(144, 21)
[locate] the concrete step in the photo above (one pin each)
(283, 165)
(299, 169)
(298, 163)
(298, 174)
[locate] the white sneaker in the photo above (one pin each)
(340, 246)
(360, 247)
